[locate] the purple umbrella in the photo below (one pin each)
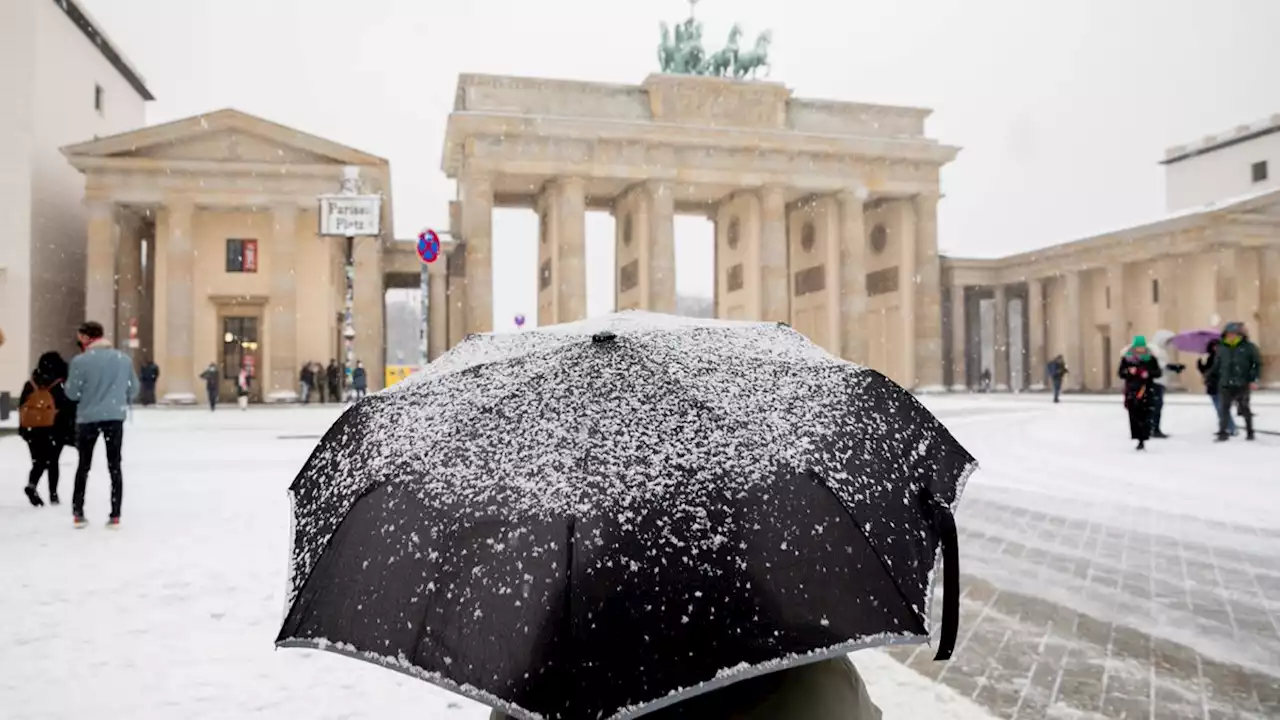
(1194, 341)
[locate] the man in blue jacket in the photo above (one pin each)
(103, 382)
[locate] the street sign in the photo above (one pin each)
(350, 215)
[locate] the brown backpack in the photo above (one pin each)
(39, 409)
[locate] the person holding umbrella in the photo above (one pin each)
(1139, 370)
(1211, 387)
(654, 514)
(1235, 373)
(1161, 342)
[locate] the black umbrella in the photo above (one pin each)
(595, 520)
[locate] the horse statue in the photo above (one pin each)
(691, 53)
(666, 49)
(721, 62)
(749, 61)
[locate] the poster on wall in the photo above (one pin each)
(250, 256)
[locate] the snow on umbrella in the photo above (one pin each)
(597, 519)
(1195, 341)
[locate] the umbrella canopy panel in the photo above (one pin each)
(587, 521)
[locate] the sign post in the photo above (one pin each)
(429, 250)
(349, 214)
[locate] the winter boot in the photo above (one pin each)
(1159, 434)
(33, 496)
(53, 498)
(1249, 436)
(1142, 445)
(113, 522)
(1221, 437)
(80, 523)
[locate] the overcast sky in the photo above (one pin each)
(1063, 108)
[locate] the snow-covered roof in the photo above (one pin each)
(1209, 143)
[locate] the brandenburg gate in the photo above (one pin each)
(825, 212)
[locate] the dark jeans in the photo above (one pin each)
(148, 395)
(1238, 396)
(1217, 409)
(1157, 407)
(112, 432)
(213, 397)
(45, 450)
(1057, 388)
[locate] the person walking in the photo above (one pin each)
(359, 380)
(1210, 387)
(210, 378)
(148, 375)
(102, 381)
(242, 388)
(1159, 349)
(306, 382)
(333, 375)
(1056, 370)
(824, 690)
(47, 422)
(1139, 370)
(1235, 372)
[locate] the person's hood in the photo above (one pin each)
(1161, 338)
(49, 368)
(1235, 327)
(99, 344)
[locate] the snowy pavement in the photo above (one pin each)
(1099, 582)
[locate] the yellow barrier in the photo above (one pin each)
(396, 373)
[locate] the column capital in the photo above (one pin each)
(475, 181)
(855, 193)
(100, 207)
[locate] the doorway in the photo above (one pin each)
(1108, 379)
(241, 348)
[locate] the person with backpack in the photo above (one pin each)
(102, 380)
(47, 422)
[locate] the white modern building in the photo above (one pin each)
(62, 81)
(1234, 164)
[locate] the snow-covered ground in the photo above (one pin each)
(175, 614)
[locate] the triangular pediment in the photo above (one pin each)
(223, 136)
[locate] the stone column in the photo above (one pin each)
(129, 282)
(661, 241)
(282, 310)
(147, 323)
(907, 276)
(571, 229)
(370, 309)
(1248, 287)
(100, 265)
(179, 370)
(1001, 374)
(1074, 354)
(1117, 322)
(928, 302)
(774, 281)
(959, 338)
(476, 193)
(1266, 330)
(853, 275)
(1035, 335)
(438, 307)
(457, 294)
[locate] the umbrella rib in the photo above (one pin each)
(883, 565)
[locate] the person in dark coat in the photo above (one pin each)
(306, 382)
(333, 375)
(210, 378)
(1203, 365)
(359, 380)
(148, 374)
(1056, 370)
(828, 689)
(47, 440)
(1235, 372)
(1139, 370)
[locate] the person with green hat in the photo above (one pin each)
(1139, 370)
(1235, 372)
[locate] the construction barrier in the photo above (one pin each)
(396, 373)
